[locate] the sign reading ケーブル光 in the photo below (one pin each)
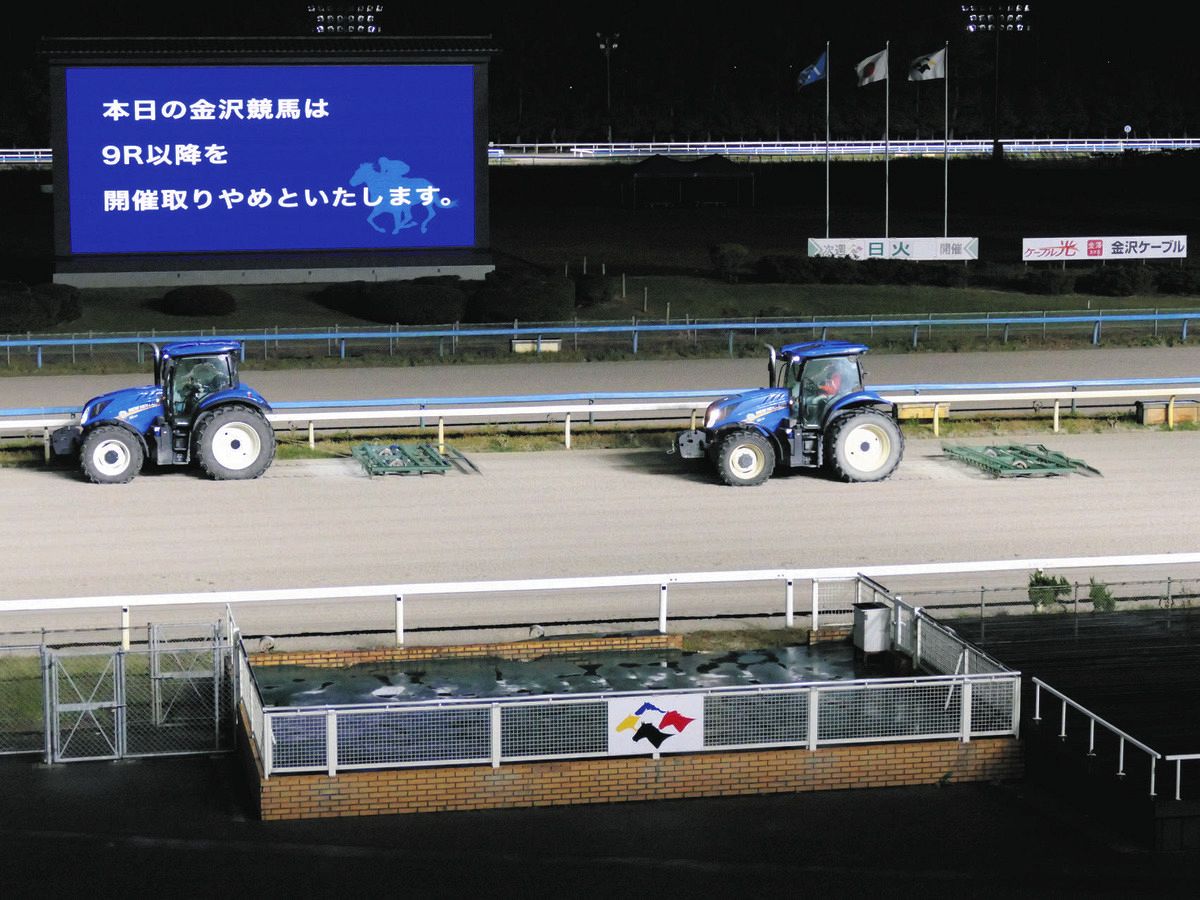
(258, 158)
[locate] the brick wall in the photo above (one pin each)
(338, 659)
(614, 780)
(831, 634)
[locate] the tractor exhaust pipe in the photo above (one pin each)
(770, 365)
(157, 360)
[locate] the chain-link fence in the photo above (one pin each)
(78, 695)
(1064, 596)
(645, 335)
(22, 711)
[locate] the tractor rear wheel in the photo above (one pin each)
(234, 442)
(745, 458)
(865, 445)
(111, 454)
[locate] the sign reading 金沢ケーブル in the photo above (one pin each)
(1169, 246)
(276, 157)
(911, 248)
(655, 723)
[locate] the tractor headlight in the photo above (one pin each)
(711, 415)
(93, 410)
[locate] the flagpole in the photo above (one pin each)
(887, 127)
(827, 139)
(946, 147)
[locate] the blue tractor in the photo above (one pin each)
(815, 413)
(196, 410)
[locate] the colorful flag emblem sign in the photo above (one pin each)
(669, 723)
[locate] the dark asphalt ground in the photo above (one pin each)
(184, 827)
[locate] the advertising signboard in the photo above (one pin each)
(911, 248)
(1057, 249)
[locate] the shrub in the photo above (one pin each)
(728, 260)
(524, 294)
(592, 290)
(1048, 281)
(1101, 596)
(198, 300)
(834, 270)
(786, 269)
(1046, 589)
(433, 300)
(1177, 281)
(23, 308)
(19, 311)
(944, 274)
(61, 301)
(1116, 281)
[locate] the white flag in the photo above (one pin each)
(929, 67)
(873, 68)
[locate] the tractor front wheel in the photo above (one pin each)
(864, 446)
(234, 442)
(111, 454)
(745, 458)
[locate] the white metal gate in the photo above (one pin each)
(173, 698)
(86, 707)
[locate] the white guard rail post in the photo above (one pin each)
(1179, 759)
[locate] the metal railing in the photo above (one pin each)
(499, 154)
(1179, 759)
(582, 151)
(572, 409)
(434, 733)
(35, 157)
(1123, 738)
(1074, 596)
(975, 700)
(657, 585)
(987, 692)
(454, 338)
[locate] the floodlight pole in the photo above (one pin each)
(827, 70)
(996, 98)
(887, 128)
(608, 43)
(946, 146)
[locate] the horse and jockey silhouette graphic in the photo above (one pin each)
(386, 182)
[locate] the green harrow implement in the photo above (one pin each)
(1018, 460)
(410, 459)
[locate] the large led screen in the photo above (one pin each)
(166, 159)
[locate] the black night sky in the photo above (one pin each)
(701, 70)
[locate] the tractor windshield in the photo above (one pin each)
(824, 381)
(196, 377)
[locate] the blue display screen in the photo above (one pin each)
(259, 158)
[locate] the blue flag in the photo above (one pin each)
(812, 74)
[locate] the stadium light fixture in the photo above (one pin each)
(345, 18)
(994, 19)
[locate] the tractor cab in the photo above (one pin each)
(188, 373)
(816, 382)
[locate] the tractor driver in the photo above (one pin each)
(824, 380)
(202, 379)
